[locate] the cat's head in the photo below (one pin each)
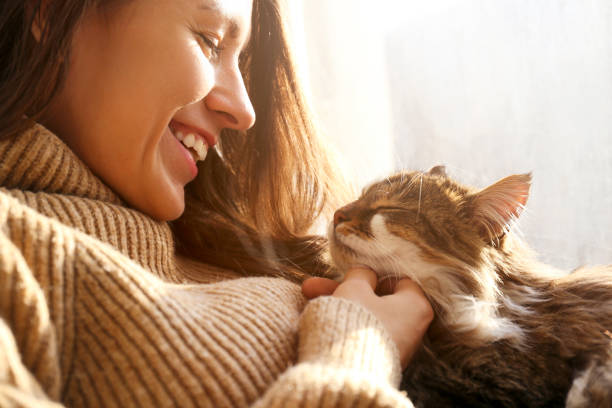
(428, 227)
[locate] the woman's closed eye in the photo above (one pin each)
(210, 46)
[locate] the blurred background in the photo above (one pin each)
(488, 88)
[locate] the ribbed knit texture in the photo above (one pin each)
(96, 310)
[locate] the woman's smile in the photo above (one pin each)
(184, 156)
(197, 141)
(192, 143)
(163, 94)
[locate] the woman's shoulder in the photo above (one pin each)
(32, 232)
(18, 211)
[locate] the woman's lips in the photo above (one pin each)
(193, 142)
(188, 156)
(196, 146)
(200, 133)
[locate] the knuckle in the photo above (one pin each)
(421, 306)
(355, 285)
(426, 310)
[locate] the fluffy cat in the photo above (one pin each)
(509, 331)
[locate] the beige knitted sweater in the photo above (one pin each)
(96, 310)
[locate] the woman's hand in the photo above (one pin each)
(405, 312)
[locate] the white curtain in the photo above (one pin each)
(489, 88)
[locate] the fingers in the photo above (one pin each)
(361, 273)
(418, 301)
(314, 287)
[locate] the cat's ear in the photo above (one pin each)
(439, 170)
(496, 206)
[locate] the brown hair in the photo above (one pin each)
(31, 71)
(253, 204)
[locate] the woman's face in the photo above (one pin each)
(143, 75)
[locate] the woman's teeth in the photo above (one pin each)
(195, 143)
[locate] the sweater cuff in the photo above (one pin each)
(339, 332)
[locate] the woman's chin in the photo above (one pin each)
(163, 205)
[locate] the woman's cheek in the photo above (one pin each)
(196, 75)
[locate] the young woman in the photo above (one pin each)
(138, 192)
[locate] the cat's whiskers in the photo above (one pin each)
(498, 312)
(458, 309)
(389, 180)
(388, 259)
(420, 196)
(372, 253)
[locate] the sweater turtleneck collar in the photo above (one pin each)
(38, 160)
(40, 170)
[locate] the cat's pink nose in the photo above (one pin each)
(340, 216)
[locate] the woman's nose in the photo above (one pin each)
(231, 103)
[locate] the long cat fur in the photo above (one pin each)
(509, 331)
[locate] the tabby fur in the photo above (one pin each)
(509, 331)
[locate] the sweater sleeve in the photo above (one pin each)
(18, 386)
(83, 324)
(346, 358)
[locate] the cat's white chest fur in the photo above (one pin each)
(392, 256)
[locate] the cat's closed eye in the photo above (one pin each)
(389, 208)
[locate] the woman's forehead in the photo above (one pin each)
(235, 13)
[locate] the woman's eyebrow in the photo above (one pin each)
(233, 26)
(205, 5)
